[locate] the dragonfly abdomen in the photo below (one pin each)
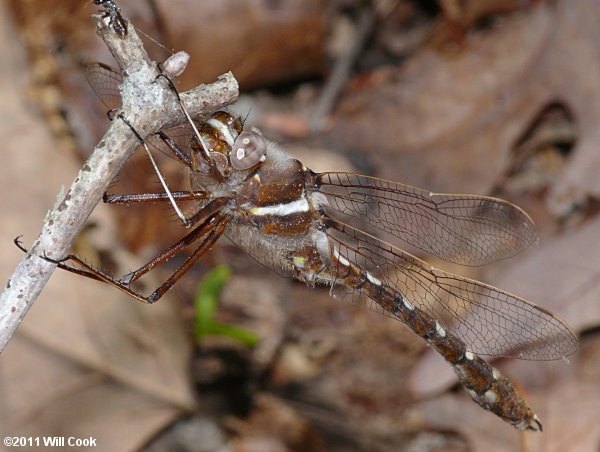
(484, 383)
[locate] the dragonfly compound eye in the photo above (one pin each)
(249, 149)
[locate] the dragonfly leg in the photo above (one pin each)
(154, 197)
(210, 231)
(207, 243)
(92, 273)
(163, 182)
(175, 150)
(208, 213)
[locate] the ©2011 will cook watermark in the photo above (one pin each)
(48, 441)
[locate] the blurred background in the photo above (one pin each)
(494, 97)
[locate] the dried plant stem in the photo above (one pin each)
(149, 105)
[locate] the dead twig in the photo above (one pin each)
(149, 105)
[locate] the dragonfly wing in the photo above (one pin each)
(105, 82)
(488, 320)
(464, 229)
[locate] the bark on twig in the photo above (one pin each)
(150, 106)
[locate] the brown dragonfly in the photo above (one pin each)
(336, 229)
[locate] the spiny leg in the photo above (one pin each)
(175, 149)
(208, 212)
(212, 237)
(154, 197)
(211, 230)
(93, 274)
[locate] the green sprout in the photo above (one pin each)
(205, 305)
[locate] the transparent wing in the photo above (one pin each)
(464, 229)
(488, 320)
(105, 82)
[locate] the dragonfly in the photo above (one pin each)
(345, 231)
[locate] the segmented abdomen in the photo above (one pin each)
(483, 382)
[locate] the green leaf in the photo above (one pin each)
(205, 305)
(207, 297)
(240, 334)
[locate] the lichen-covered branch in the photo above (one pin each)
(149, 105)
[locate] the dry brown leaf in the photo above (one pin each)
(46, 394)
(344, 369)
(455, 116)
(482, 431)
(273, 426)
(261, 42)
(462, 15)
(86, 361)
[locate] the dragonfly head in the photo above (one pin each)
(231, 148)
(248, 151)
